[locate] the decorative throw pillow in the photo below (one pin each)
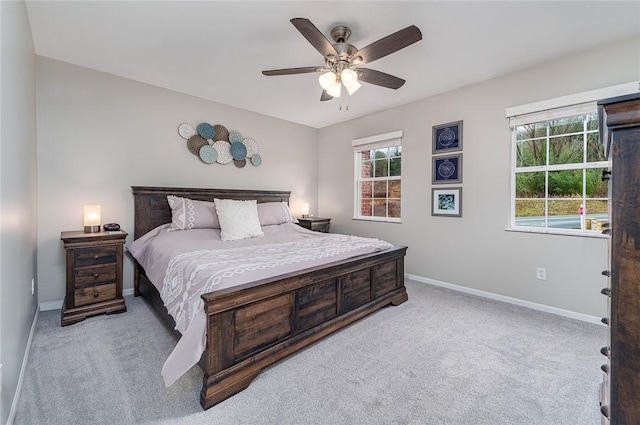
(191, 214)
(238, 219)
(275, 213)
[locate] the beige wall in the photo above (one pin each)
(17, 194)
(99, 134)
(475, 251)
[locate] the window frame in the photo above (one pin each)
(549, 110)
(387, 140)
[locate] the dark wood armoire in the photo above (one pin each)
(620, 132)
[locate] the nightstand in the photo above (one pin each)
(94, 274)
(317, 224)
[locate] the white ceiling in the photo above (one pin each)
(217, 49)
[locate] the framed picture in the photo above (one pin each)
(446, 202)
(447, 138)
(447, 169)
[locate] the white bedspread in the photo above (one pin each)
(186, 264)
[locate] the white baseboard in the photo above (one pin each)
(16, 397)
(541, 307)
(57, 305)
(51, 305)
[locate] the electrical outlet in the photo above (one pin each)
(33, 287)
(541, 273)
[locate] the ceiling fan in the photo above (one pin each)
(343, 60)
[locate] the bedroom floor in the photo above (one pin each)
(442, 357)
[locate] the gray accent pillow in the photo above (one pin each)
(275, 213)
(191, 214)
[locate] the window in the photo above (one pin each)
(557, 166)
(378, 166)
(558, 169)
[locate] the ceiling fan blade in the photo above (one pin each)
(378, 78)
(325, 96)
(289, 71)
(389, 44)
(314, 36)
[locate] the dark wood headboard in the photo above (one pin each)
(152, 208)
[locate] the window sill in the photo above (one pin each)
(564, 232)
(378, 219)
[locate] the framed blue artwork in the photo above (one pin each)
(447, 138)
(446, 202)
(447, 169)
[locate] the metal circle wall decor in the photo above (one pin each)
(195, 143)
(238, 150)
(186, 130)
(206, 130)
(224, 151)
(256, 159)
(215, 144)
(208, 154)
(221, 132)
(235, 137)
(252, 147)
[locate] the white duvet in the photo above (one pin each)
(186, 264)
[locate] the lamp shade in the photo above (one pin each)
(305, 210)
(335, 89)
(348, 77)
(91, 218)
(353, 87)
(327, 79)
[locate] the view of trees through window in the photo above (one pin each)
(558, 168)
(379, 183)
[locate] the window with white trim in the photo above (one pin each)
(378, 166)
(557, 165)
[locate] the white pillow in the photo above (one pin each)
(238, 219)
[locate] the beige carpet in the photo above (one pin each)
(440, 358)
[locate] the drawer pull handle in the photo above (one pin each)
(95, 257)
(605, 320)
(605, 351)
(605, 368)
(606, 291)
(606, 273)
(95, 276)
(605, 411)
(95, 293)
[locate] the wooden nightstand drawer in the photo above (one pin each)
(95, 294)
(91, 276)
(95, 256)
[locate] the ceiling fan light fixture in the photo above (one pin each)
(353, 87)
(335, 89)
(348, 77)
(327, 79)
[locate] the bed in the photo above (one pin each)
(255, 324)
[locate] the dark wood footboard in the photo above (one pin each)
(258, 324)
